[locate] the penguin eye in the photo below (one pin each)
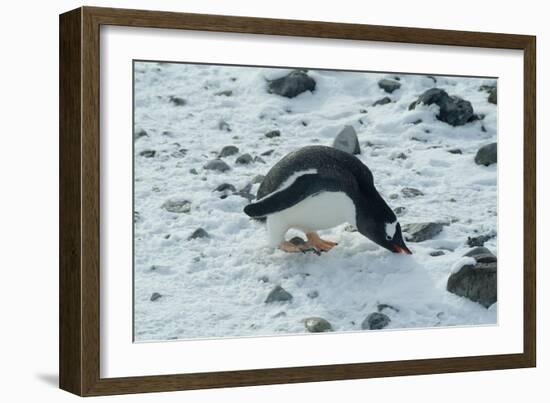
(389, 238)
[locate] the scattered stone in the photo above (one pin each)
(477, 282)
(225, 187)
(347, 141)
(244, 159)
(267, 153)
(452, 109)
(363, 110)
(224, 126)
(217, 165)
(292, 84)
(389, 85)
(492, 90)
(193, 171)
(417, 122)
(278, 294)
(411, 192)
(375, 321)
(419, 232)
(455, 151)
(297, 241)
(400, 210)
(139, 134)
(480, 240)
(394, 196)
(199, 233)
(148, 153)
(259, 159)
(436, 253)
(257, 179)
(273, 133)
(401, 156)
(317, 325)
(155, 296)
(177, 101)
(177, 206)
(382, 101)
(228, 151)
(313, 294)
(182, 152)
(381, 307)
(226, 93)
(487, 155)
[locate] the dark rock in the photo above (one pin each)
(278, 294)
(419, 232)
(477, 282)
(416, 122)
(437, 253)
(259, 159)
(487, 155)
(226, 93)
(452, 109)
(225, 187)
(155, 296)
(411, 192)
(492, 90)
(292, 84)
(375, 321)
(455, 151)
(140, 133)
(137, 216)
(244, 159)
(480, 240)
(317, 325)
(297, 241)
(382, 101)
(227, 151)
(400, 210)
(347, 141)
(389, 85)
(394, 196)
(257, 179)
(267, 153)
(273, 133)
(481, 255)
(177, 101)
(313, 294)
(198, 233)
(193, 171)
(223, 125)
(381, 307)
(401, 156)
(177, 206)
(217, 165)
(148, 153)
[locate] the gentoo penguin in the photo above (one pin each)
(319, 187)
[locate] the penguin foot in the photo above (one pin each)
(315, 241)
(292, 248)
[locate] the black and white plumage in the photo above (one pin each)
(319, 187)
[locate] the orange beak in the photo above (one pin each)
(399, 249)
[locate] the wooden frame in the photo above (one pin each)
(79, 200)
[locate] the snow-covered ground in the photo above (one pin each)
(216, 287)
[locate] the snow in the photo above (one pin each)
(216, 287)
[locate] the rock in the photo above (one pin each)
(419, 232)
(177, 101)
(226, 93)
(477, 282)
(375, 321)
(228, 151)
(155, 296)
(400, 210)
(455, 151)
(394, 196)
(381, 307)
(137, 216)
(313, 294)
(217, 165)
(292, 84)
(244, 159)
(437, 253)
(481, 255)
(278, 294)
(198, 233)
(487, 155)
(225, 187)
(273, 133)
(223, 125)
(492, 90)
(148, 153)
(382, 101)
(317, 325)
(480, 240)
(452, 109)
(389, 85)
(347, 141)
(177, 206)
(182, 152)
(416, 122)
(411, 192)
(193, 171)
(297, 241)
(257, 179)
(259, 160)
(267, 153)
(139, 134)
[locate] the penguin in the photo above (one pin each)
(320, 187)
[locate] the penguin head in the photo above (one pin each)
(380, 225)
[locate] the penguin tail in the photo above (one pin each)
(255, 210)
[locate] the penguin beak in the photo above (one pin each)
(401, 249)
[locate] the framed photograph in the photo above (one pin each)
(248, 201)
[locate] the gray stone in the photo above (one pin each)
(400, 210)
(257, 179)
(177, 206)
(227, 151)
(492, 90)
(155, 296)
(297, 241)
(317, 325)
(347, 141)
(193, 171)
(278, 294)
(273, 133)
(382, 101)
(244, 159)
(177, 101)
(198, 233)
(291, 85)
(259, 160)
(375, 321)
(313, 294)
(419, 232)
(481, 255)
(476, 282)
(226, 93)
(140, 133)
(389, 85)
(224, 126)
(436, 253)
(487, 155)
(411, 192)
(148, 153)
(381, 307)
(217, 165)
(267, 153)
(452, 109)
(480, 239)
(455, 151)
(224, 187)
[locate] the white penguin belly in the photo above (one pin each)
(322, 211)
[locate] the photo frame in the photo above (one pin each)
(82, 352)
